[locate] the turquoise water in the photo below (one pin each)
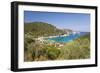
(64, 39)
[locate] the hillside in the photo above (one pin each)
(42, 29)
(67, 30)
(37, 50)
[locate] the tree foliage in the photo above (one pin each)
(42, 29)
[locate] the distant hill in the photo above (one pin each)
(42, 29)
(67, 30)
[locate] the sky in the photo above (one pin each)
(73, 21)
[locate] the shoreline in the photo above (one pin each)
(41, 38)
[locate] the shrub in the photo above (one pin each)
(52, 52)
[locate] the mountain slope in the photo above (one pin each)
(42, 29)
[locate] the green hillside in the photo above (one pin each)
(42, 29)
(37, 50)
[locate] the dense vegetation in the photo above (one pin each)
(34, 50)
(77, 49)
(42, 29)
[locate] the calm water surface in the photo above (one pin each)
(64, 39)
